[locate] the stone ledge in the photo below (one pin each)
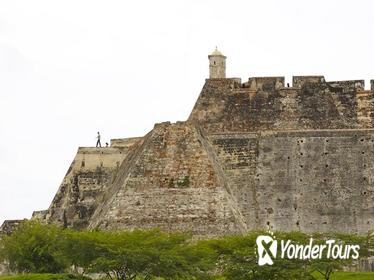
(94, 150)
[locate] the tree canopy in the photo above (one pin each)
(155, 254)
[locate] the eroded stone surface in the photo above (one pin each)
(89, 176)
(9, 226)
(171, 184)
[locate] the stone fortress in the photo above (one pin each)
(252, 155)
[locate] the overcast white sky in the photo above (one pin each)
(71, 68)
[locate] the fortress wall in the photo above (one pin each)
(222, 84)
(317, 181)
(171, 183)
(238, 154)
(39, 215)
(250, 156)
(365, 107)
(348, 85)
(306, 180)
(202, 211)
(88, 159)
(123, 142)
(207, 107)
(299, 81)
(265, 83)
(314, 106)
(324, 107)
(8, 227)
(91, 171)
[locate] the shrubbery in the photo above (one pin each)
(45, 276)
(36, 248)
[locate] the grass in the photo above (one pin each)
(348, 276)
(45, 276)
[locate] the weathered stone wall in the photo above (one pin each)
(264, 83)
(171, 184)
(124, 142)
(300, 81)
(365, 105)
(307, 180)
(9, 226)
(40, 215)
(182, 179)
(91, 172)
(264, 104)
(317, 181)
(346, 86)
(238, 156)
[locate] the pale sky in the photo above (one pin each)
(71, 68)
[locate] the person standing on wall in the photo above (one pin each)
(98, 142)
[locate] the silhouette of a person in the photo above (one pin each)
(98, 142)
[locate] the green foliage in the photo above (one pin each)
(325, 267)
(238, 260)
(171, 183)
(81, 249)
(154, 254)
(184, 182)
(45, 277)
(126, 255)
(238, 257)
(348, 276)
(33, 248)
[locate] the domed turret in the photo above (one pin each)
(217, 65)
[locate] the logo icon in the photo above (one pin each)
(266, 249)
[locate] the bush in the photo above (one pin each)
(45, 277)
(148, 254)
(33, 248)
